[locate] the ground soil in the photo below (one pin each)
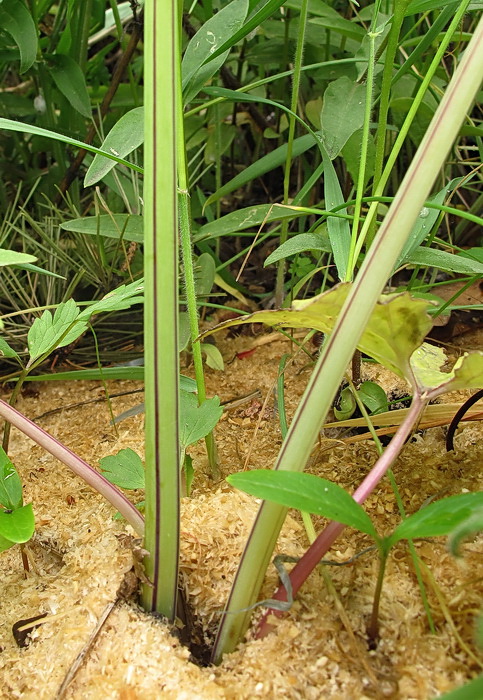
(79, 556)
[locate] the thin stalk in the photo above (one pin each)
(299, 52)
(373, 627)
(403, 132)
(161, 309)
(75, 463)
(353, 318)
(387, 74)
(189, 277)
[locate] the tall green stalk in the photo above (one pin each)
(353, 318)
(299, 52)
(161, 69)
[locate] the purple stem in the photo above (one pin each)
(98, 482)
(324, 541)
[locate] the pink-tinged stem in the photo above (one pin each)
(78, 466)
(324, 541)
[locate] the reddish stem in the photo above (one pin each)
(324, 541)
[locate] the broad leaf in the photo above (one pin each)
(54, 331)
(214, 32)
(129, 227)
(19, 525)
(126, 135)
(17, 21)
(342, 113)
(10, 484)
(125, 469)
(249, 217)
(197, 421)
(121, 298)
(439, 518)
(299, 244)
(398, 324)
(467, 372)
(70, 80)
(305, 492)
(11, 257)
(6, 350)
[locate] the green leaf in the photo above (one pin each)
(54, 331)
(398, 325)
(39, 271)
(214, 32)
(19, 525)
(246, 218)
(10, 484)
(125, 469)
(129, 227)
(467, 372)
(430, 257)
(346, 405)
(305, 492)
(469, 526)
(126, 135)
(17, 21)
(469, 691)
(214, 358)
(11, 257)
(123, 297)
(204, 273)
(299, 244)
(261, 166)
(197, 421)
(70, 80)
(373, 397)
(342, 114)
(439, 518)
(6, 350)
(338, 229)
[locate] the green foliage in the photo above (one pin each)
(17, 522)
(17, 21)
(125, 469)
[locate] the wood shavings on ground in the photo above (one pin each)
(79, 557)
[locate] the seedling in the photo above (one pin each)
(17, 521)
(318, 496)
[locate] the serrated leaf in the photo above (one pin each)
(70, 80)
(439, 518)
(10, 484)
(305, 492)
(126, 135)
(125, 469)
(19, 525)
(398, 324)
(11, 257)
(54, 331)
(17, 21)
(6, 350)
(121, 298)
(205, 42)
(127, 226)
(342, 113)
(467, 372)
(197, 421)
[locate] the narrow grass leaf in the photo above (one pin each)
(299, 244)
(125, 469)
(126, 135)
(305, 492)
(245, 218)
(430, 257)
(19, 525)
(71, 82)
(439, 518)
(338, 229)
(17, 21)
